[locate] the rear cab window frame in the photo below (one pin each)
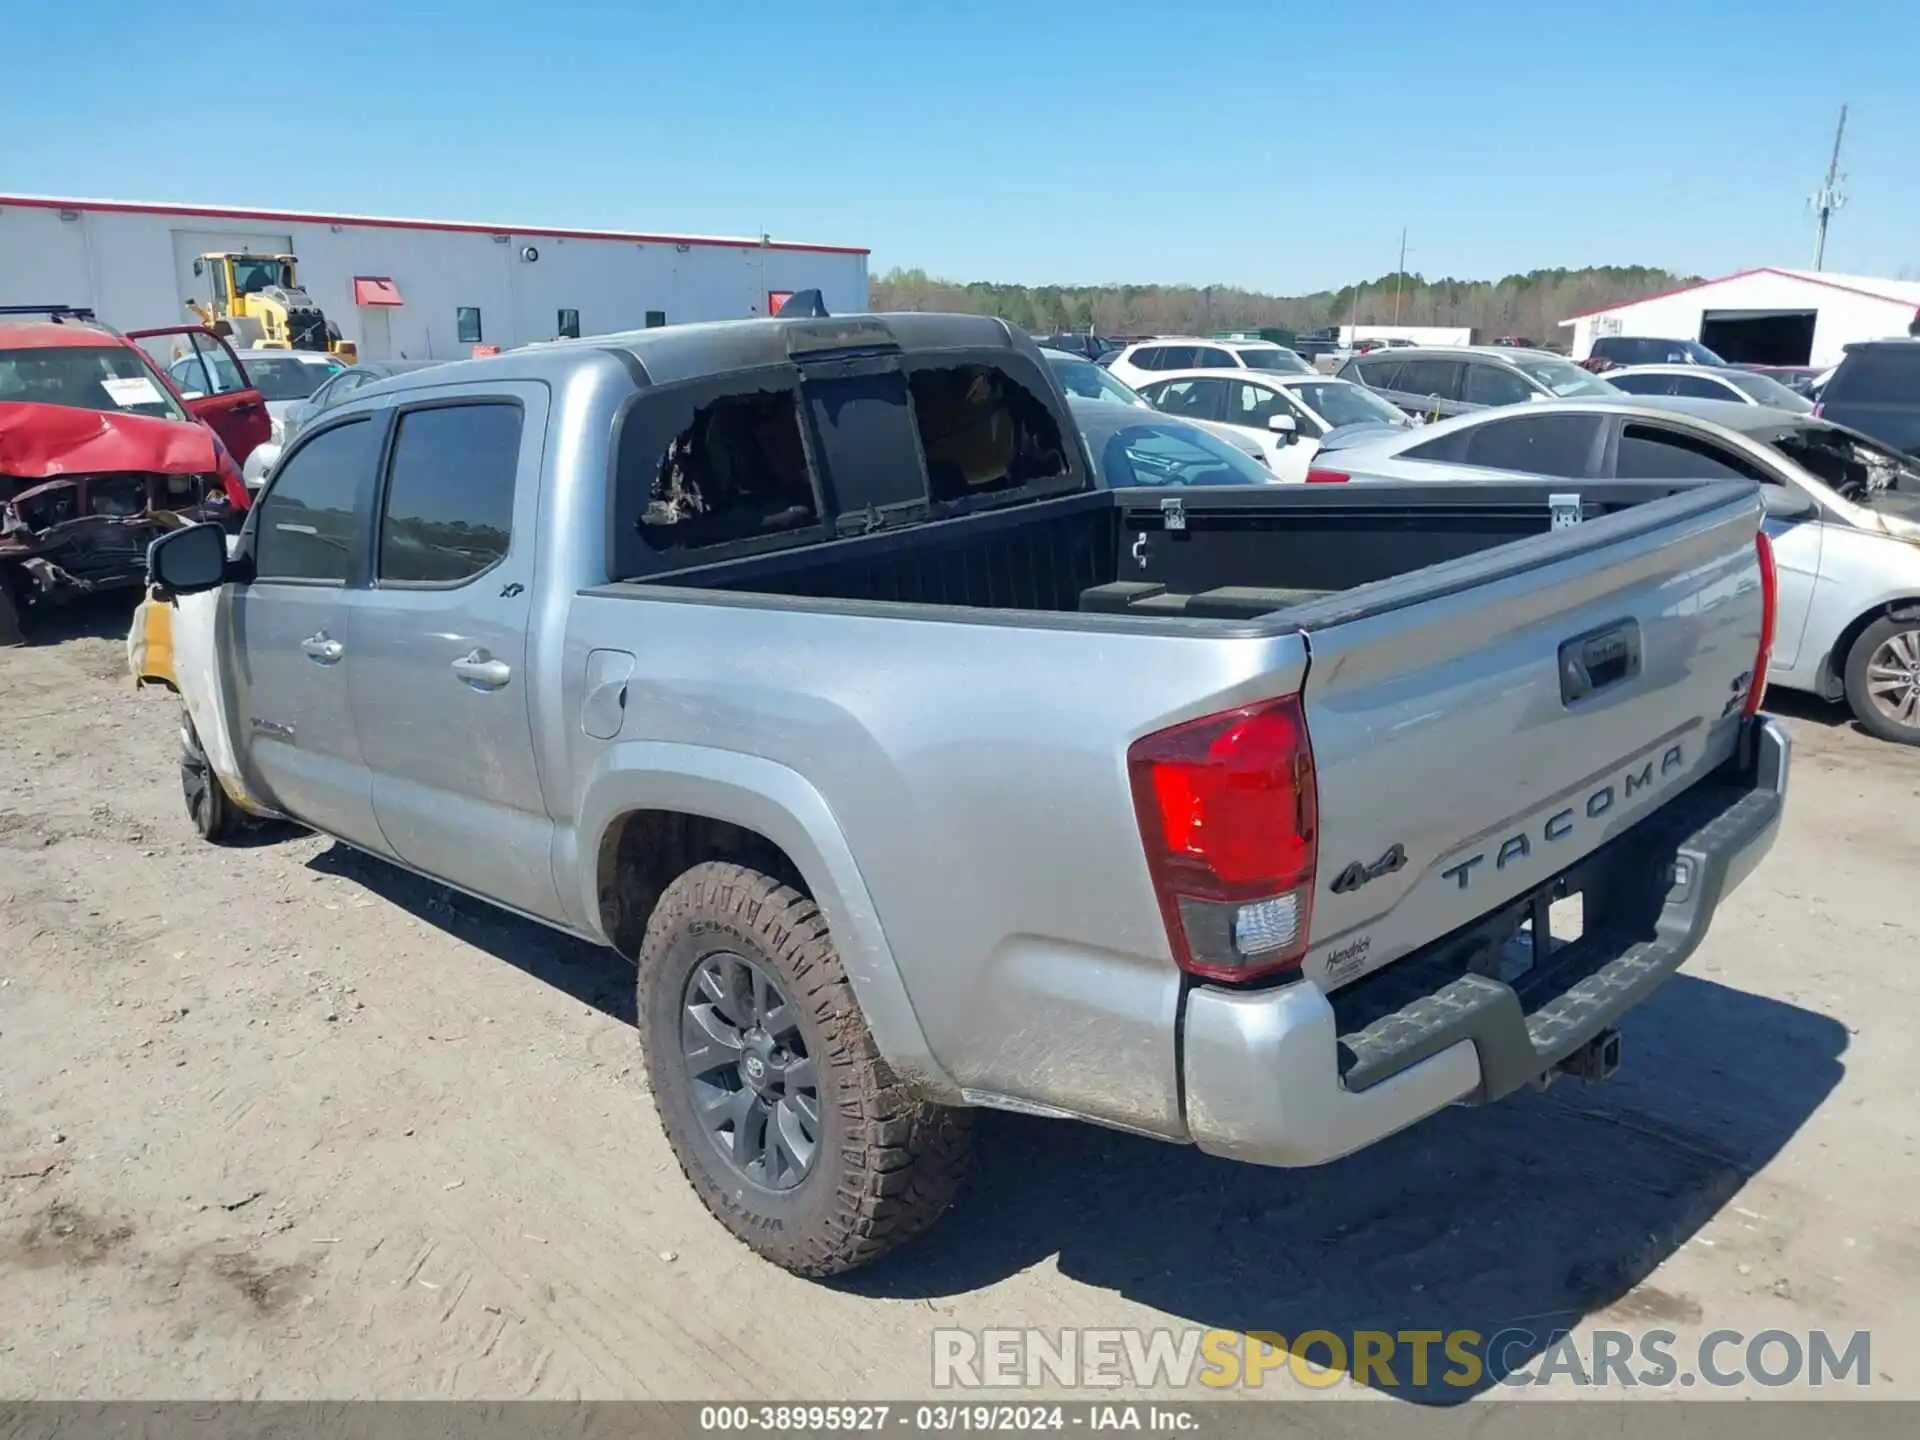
(631, 551)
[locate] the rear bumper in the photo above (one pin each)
(1291, 1077)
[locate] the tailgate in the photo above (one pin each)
(1480, 725)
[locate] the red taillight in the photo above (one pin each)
(1226, 806)
(1317, 476)
(1769, 605)
(1818, 406)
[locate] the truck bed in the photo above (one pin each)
(1240, 554)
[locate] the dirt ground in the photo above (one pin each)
(280, 1122)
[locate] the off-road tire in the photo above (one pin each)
(212, 811)
(1859, 700)
(886, 1163)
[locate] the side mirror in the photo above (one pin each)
(184, 562)
(1785, 503)
(1283, 425)
(199, 268)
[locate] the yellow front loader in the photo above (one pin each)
(257, 301)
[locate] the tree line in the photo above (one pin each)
(1532, 304)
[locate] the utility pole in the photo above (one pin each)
(1829, 198)
(1400, 275)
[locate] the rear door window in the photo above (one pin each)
(1211, 357)
(1379, 374)
(304, 526)
(1642, 384)
(1489, 384)
(1253, 404)
(1439, 379)
(448, 512)
(1653, 452)
(1562, 445)
(1701, 387)
(1191, 399)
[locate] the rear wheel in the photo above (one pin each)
(1883, 679)
(214, 815)
(779, 1107)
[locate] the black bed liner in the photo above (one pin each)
(1231, 554)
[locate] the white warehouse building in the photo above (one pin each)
(1763, 317)
(409, 289)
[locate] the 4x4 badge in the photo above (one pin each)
(1356, 874)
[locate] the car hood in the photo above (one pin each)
(42, 442)
(1897, 515)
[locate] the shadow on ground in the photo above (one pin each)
(1523, 1217)
(1800, 705)
(590, 974)
(105, 615)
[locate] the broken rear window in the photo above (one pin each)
(983, 431)
(712, 466)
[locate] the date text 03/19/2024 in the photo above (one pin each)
(944, 1418)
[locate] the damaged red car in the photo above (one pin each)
(99, 453)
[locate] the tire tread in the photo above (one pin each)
(903, 1157)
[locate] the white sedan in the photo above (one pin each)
(1705, 382)
(1285, 415)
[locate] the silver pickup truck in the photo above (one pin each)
(802, 661)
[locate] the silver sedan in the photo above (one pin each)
(1843, 517)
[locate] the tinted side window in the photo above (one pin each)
(449, 505)
(1495, 385)
(1208, 357)
(1701, 387)
(1648, 452)
(1149, 357)
(1438, 378)
(1177, 357)
(1378, 374)
(305, 528)
(1535, 444)
(1877, 377)
(1641, 384)
(1253, 404)
(1194, 399)
(339, 389)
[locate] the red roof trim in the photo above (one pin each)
(1737, 275)
(460, 227)
(1663, 294)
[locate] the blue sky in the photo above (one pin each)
(1278, 145)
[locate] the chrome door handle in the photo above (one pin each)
(481, 670)
(323, 648)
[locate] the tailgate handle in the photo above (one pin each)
(1598, 661)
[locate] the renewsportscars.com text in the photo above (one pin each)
(1394, 1359)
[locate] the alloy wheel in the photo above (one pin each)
(755, 1086)
(1893, 678)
